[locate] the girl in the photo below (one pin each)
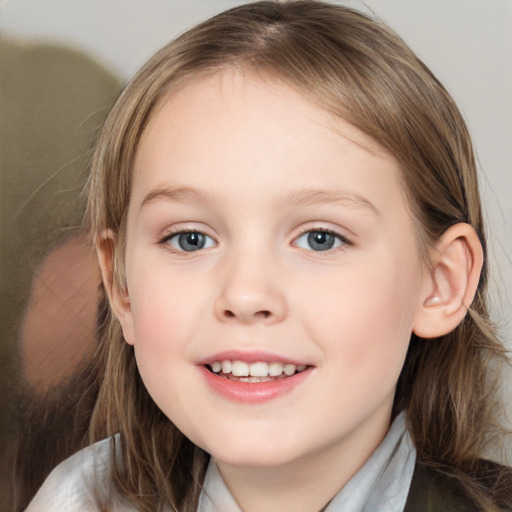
(285, 207)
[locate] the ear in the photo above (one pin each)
(450, 287)
(117, 296)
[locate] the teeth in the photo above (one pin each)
(275, 369)
(240, 369)
(249, 379)
(259, 369)
(289, 369)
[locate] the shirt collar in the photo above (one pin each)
(381, 485)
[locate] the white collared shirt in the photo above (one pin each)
(381, 485)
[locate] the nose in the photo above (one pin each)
(250, 292)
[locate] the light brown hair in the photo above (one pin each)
(356, 68)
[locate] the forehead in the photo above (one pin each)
(195, 100)
(230, 88)
(237, 133)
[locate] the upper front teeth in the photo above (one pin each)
(259, 369)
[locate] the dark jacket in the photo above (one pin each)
(433, 491)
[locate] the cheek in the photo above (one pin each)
(366, 319)
(160, 344)
(153, 316)
(160, 302)
(167, 315)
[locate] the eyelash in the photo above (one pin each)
(344, 241)
(169, 236)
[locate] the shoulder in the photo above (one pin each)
(435, 491)
(73, 484)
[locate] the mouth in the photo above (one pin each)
(259, 371)
(253, 377)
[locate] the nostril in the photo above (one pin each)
(258, 314)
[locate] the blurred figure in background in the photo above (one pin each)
(53, 101)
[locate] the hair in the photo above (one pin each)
(354, 67)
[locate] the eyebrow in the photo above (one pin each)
(302, 197)
(179, 194)
(311, 197)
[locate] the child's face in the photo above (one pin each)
(262, 230)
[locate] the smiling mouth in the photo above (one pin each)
(254, 372)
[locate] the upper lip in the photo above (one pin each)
(253, 356)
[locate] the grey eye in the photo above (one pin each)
(319, 241)
(190, 241)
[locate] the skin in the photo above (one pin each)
(237, 158)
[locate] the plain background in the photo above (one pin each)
(466, 43)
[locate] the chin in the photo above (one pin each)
(254, 459)
(249, 453)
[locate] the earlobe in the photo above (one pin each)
(451, 285)
(117, 296)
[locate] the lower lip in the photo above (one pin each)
(253, 392)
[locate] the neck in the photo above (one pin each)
(307, 483)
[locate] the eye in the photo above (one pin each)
(189, 241)
(320, 240)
